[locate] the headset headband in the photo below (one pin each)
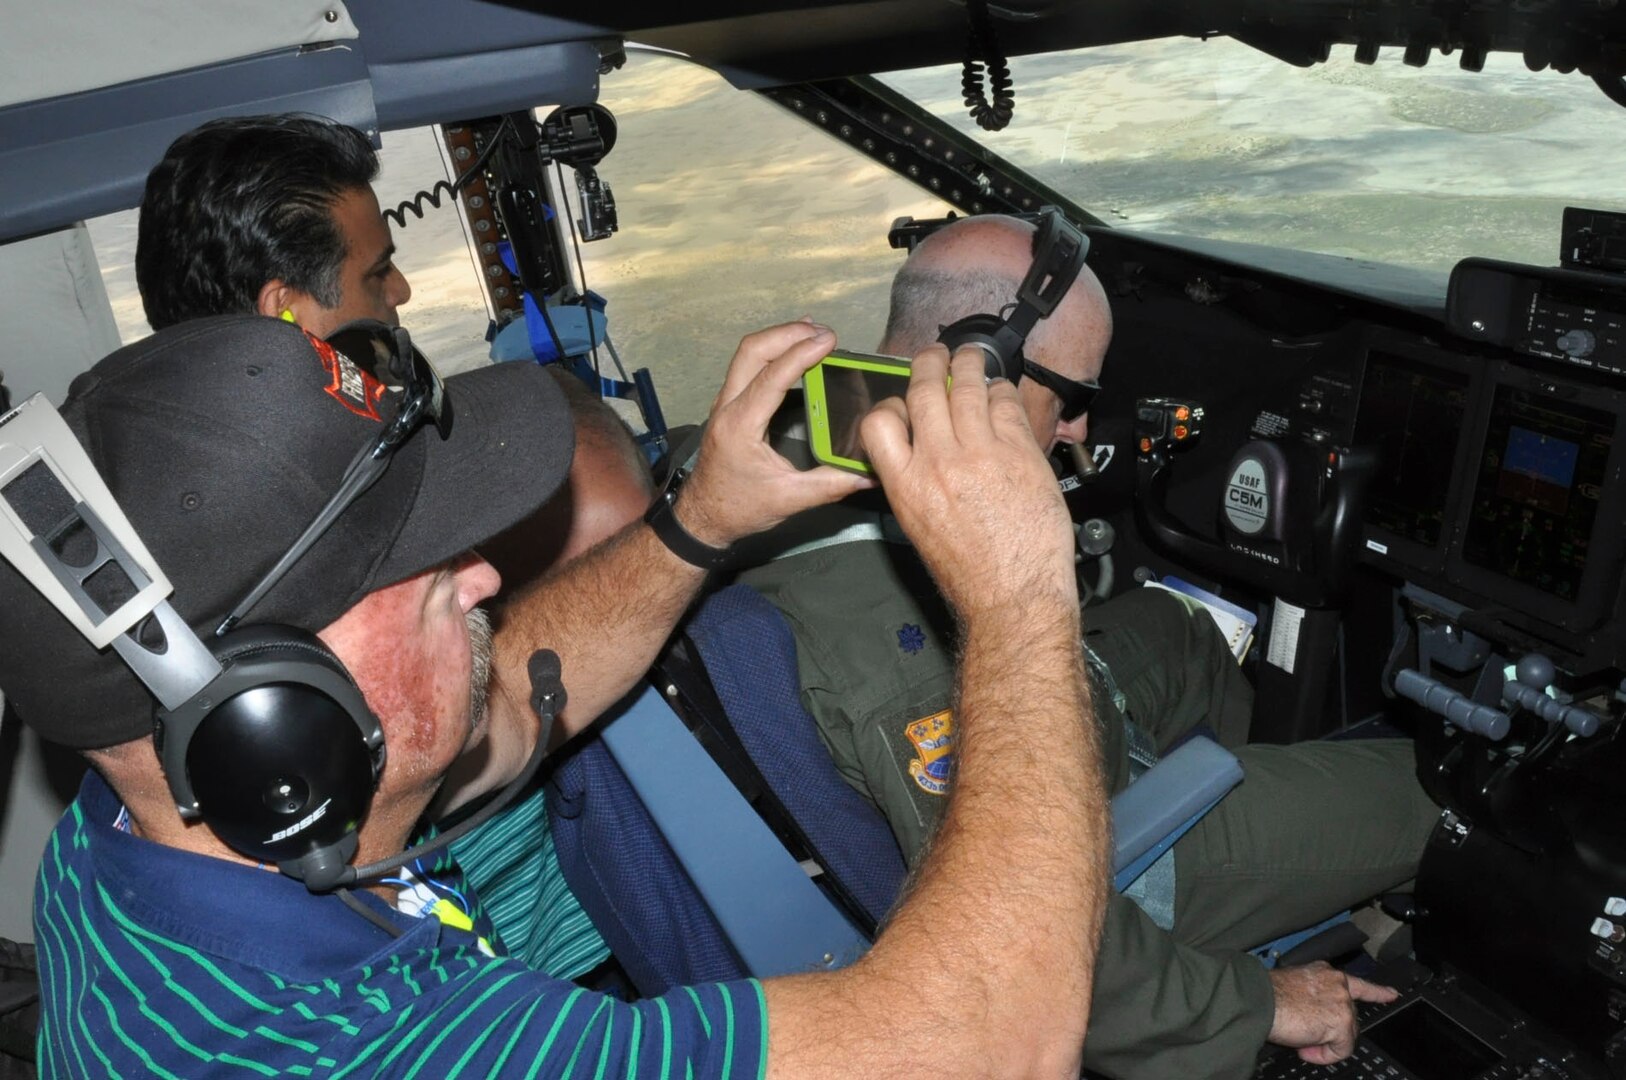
(1059, 248)
(34, 435)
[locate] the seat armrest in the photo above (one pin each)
(1169, 798)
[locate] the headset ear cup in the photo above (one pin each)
(984, 331)
(284, 761)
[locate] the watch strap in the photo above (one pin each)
(662, 518)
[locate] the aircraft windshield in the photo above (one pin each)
(735, 214)
(1414, 166)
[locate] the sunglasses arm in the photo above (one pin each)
(362, 473)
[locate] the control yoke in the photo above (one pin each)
(1291, 514)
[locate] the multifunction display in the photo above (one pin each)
(1413, 412)
(1539, 483)
(1497, 484)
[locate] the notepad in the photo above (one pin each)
(1235, 624)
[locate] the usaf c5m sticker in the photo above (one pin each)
(933, 737)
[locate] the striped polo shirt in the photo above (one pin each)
(511, 860)
(159, 962)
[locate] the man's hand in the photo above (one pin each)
(740, 485)
(970, 486)
(1315, 1010)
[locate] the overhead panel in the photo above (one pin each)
(434, 60)
(91, 102)
(51, 51)
(68, 158)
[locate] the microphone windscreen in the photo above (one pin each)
(547, 682)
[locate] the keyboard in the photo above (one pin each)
(1442, 1027)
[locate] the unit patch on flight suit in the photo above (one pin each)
(933, 737)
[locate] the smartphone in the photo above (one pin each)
(839, 390)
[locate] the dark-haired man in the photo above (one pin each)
(164, 951)
(271, 215)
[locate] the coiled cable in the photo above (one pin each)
(982, 52)
(443, 188)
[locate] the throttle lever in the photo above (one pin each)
(1527, 689)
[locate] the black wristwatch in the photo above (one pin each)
(678, 540)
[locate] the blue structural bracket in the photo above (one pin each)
(581, 326)
(775, 917)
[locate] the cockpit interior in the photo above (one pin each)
(1409, 476)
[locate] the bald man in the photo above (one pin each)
(1313, 829)
(609, 487)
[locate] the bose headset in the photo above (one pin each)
(1059, 248)
(262, 733)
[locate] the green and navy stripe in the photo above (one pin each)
(159, 963)
(513, 864)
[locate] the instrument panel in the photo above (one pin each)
(1502, 480)
(1502, 476)
(1570, 316)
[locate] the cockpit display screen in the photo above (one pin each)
(1538, 488)
(1430, 1044)
(1413, 411)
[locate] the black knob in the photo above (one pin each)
(1535, 671)
(1401, 906)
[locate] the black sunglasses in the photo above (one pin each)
(380, 350)
(1075, 394)
(388, 353)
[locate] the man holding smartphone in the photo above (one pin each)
(1313, 829)
(167, 949)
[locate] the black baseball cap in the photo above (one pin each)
(221, 439)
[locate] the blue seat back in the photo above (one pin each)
(634, 886)
(749, 652)
(629, 881)
(625, 874)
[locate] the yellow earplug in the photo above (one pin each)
(288, 316)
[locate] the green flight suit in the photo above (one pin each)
(1312, 829)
